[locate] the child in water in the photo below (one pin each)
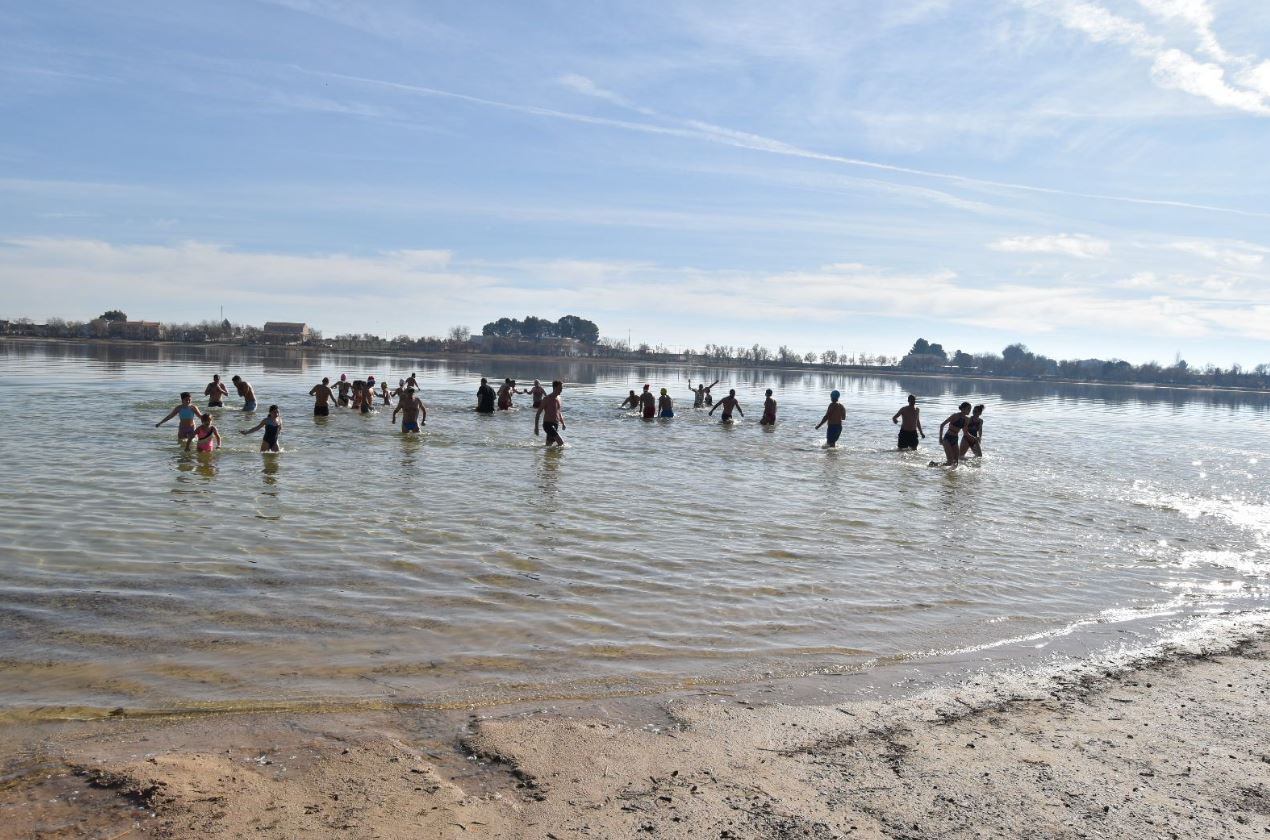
(207, 435)
(188, 411)
(272, 424)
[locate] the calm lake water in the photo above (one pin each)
(470, 565)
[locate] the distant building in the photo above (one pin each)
(285, 332)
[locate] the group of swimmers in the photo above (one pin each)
(960, 434)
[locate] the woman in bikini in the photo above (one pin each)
(272, 424)
(974, 434)
(207, 435)
(188, 412)
(948, 432)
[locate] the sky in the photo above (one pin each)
(1088, 177)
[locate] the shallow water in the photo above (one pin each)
(469, 565)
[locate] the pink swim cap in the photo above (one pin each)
(343, 376)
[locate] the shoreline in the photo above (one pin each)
(704, 364)
(1164, 743)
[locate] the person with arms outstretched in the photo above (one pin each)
(699, 393)
(729, 404)
(188, 411)
(835, 416)
(910, 420)
(272, 424)
(551, 412)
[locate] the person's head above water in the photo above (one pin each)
(484, 381)
(645, 387)
(273, 409)
(343, 377)
(663, 392)
(732, 392)
(834, 395)
(216, 377)
(964, 407)
(410, 392)
(979, 409)
(912, 400)
(557, 385)
(536, 382)
(235, 378)
(185, 396)
(207, 419)
(769, 392)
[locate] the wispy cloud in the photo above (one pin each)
(1245, 257)
(1063, 244)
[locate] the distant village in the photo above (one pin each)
(573, 336)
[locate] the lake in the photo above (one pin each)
(469, 565)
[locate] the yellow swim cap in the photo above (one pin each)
(663, 392)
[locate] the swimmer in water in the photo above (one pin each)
(948, 431)
(322, 395)
(188, 412)
(537, 392)
(207, 435)
(632, 400)
(344, 386)
(769, 410)
(665, 405)
(214, 391)
(411, 382)
(413, 412)
(699, 393)
(648, 404)
(552, 414)
(835, 415)
(505, 395)
(729, 404)
(485, 397)
(974, 434)
(245, 391)
(383, 393)
(910, 420)
(709, 397)
(272, 424)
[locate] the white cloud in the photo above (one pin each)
(1179, 71)
(1064, 244)
(1245, 258)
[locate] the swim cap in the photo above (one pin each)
(663, 392)
(833, 395)
(343, 376)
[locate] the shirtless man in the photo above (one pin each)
(632, 401)
(244, 390)
(505, 395)
(835, 414)
(214, 391)
(188, 411)
(909, 418)
(413, 412)
(729, 404)
(322, 395)
(537, 392)
(699, 393)
(411, 382)
(552, 414)
(769, 410)
(345, 386)
(485, 397)
(648, 404)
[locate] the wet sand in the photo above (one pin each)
(1172, 746)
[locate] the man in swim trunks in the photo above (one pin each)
(344, 386)
(909, 418)
(214, 391)
(699, 393)
(632, 400)
(485, 397)
(769, 410)
(244, 390)
(648, 404)
(322, 394)
(188, 412)
(537, 392)
(835, 415)
(729, 404)
(413, 412)
(552, 414)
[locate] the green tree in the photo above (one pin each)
(114, 315)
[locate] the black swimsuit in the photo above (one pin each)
(951, 436)
(271, 433)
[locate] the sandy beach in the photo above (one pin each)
(1170, 746)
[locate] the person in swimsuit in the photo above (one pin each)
(973, 434)
(648, 404)
(207, 435)
(552, 414)
(485, 397)
(367, 393)
(413, 412)
(769, 410)
(835, 416)
(632, 401)
(322, 394)
(709, 397)
(214, 391)
(665, 405)
(411, 382)
(272, 424)
(699, 393)
(910, 420)
(188, 411)
(383, 393)
(245, 391)
(343, 385)
(537, 393)
(505, 395)
(729, 404)
(948, 431)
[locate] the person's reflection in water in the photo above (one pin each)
(549, 472)
(410, 446)
(269, 470)
(206, 464)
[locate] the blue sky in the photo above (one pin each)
(1087, 176)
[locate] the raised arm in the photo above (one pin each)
(712, 384)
